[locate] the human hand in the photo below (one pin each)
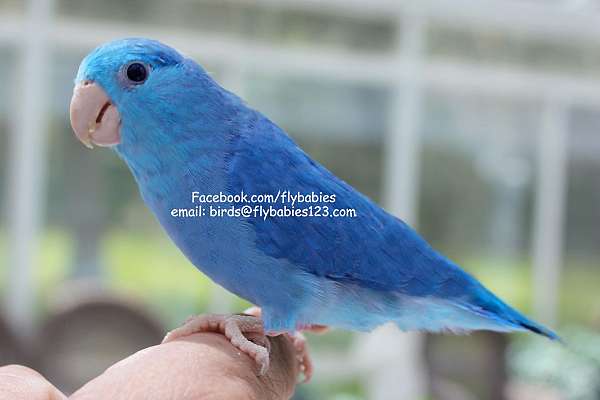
(22, 383)
(197, 367)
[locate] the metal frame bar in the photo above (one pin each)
(549, 209)
(26, 167)
(402, 375)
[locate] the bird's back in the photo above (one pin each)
(372, 254)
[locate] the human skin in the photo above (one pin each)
(22, 383)
(203, 366)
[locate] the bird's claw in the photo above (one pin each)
(299, 342)
(233, 327)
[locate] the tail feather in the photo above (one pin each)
(488, 304)
(539, 329)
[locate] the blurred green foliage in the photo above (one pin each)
(573, 369)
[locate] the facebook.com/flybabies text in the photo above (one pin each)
(281, 197)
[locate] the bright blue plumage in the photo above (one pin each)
(181, 132)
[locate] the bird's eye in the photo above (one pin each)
(137, 72)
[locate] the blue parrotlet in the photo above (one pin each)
(180, 133)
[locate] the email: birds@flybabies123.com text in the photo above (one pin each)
(281, 197)
(263, 212)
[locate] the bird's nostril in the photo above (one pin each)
(87, 82)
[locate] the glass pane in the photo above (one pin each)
(7, 66)
(580, 300)
(247, 21)
(533, 360)
(498, 48)
(477, 179)
(12, 6)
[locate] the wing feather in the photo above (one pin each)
(374, 249)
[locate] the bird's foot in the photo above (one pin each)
(233, 327)
(299, 341)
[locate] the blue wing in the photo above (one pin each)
(375, 250)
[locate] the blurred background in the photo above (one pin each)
(474, 120)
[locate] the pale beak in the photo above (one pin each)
(94, 119)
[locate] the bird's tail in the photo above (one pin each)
(487, 305)
(539, 329)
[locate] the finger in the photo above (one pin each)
(21, 383)
(196, 367)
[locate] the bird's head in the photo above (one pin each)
(120, 81)
(133, 91)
